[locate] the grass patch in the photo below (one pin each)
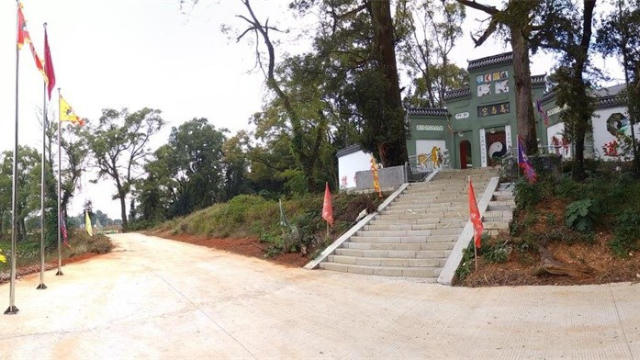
(259, 217)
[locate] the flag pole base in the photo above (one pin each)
(11, 310)
(41, 287)
(59, 273)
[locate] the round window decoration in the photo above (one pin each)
(618, 124)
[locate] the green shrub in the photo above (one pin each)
(568, 189)
(626, 233)
(580, 215)
(496, 254)
(527, 195)
(466, 263)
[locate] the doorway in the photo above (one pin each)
(465, 155)
(496, 145)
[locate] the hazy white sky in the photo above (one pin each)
(137, 53)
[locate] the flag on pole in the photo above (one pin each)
(474, 215)
(23, 34)
(542, 112)
(67, 113)
(87, 223)
(48, 65)
(3, 259)
(25, 38)
(63, 230)
(525, 164)
(327, 208)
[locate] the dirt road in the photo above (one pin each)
(156, 298)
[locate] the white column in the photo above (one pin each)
(507, 135)
(483, 148)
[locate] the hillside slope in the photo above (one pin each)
(250, 225)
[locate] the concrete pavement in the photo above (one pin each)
(156, 298)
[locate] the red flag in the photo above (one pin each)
(474, 215)
(327, 208)
(23, 34)
(48, 65)
(63, 230)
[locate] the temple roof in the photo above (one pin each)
(428, 111)
(499, 59)
(457, 93)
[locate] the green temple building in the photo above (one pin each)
(478, 124)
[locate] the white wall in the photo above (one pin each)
(557, 130)
(425, 146)
(601, 135)
(349, 164)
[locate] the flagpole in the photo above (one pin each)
(42, 286)
(475, 248)
(59, 273)
(12, 309)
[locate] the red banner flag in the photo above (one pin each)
(327, 208)
(23, 34)
(63, 230)
(48, 65)
(474, 215)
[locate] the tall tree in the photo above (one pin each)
(619, 36)
(119, 143)
(392, 146)
(569, 33)
(433, 28)
(75, 148)
(306, 155)
(519, 19)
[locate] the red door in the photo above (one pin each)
(465, 153)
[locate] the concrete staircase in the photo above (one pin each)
(500, 210)
(413, 236)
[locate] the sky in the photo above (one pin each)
(151, 53)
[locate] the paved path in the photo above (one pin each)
(155, 298)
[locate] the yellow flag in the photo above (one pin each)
(2, 258)
(87, 223)
(67, 114)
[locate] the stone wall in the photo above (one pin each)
(391, 177)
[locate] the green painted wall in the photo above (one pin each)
(465, 117)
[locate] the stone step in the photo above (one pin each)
(440, 223)
(493, 207)
(433, 200)
(421, 272)
(492, 225)
(428, 233)
(400, 233)
(410, 213)
(438, 245)
(428, 206)
(404, 239)
(404, 254)
(453, 227)
(511, 203)
(389, 227)
(354, 260)
(400, 216)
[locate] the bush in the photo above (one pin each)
(626, 233)
(580, 215)
(496, 254)
(568, 189)
(466, 263)
(527, 195)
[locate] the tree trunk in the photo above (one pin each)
(393, 150)
(524, 103)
